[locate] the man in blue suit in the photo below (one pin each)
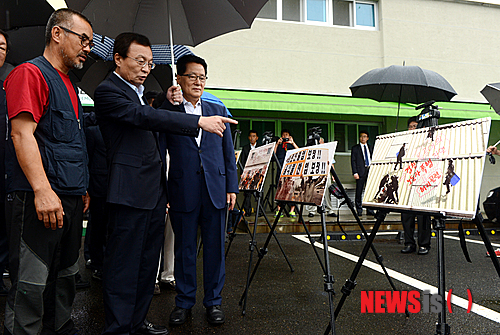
(136, 193)
(202, 179)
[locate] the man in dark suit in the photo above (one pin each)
(136, 185)
(361, 155)
(202, 179)
(408, 221)
(252, 137)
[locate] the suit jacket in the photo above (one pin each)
(358, 160)
(245, 150)
(129, 130)
(214, 158)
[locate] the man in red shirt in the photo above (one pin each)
(47, 178)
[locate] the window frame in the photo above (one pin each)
(329, 14)
(375, 14)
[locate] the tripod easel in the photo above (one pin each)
(439, 222)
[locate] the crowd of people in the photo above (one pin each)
(60, 161)
(54, 165)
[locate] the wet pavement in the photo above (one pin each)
(285, 302)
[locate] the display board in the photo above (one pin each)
(430, 170)
(255, 170)
(304, 174)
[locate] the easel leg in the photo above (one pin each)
(442, 327)
(276, 237)
(328, 278)
(378, 257)
(261, 254)
(351, 282)
(311, 240)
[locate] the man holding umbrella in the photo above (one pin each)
(136, 196)
(202, 180)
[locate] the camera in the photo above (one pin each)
(267, 137)
(285, 139)
(313, 135)
(429, 115)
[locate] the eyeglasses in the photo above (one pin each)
(143, 63)
(84, 39)
(193, 77)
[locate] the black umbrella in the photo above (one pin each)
(492, 93)
(188, 22)
(402, 84)
(95, 71)
(24, 13)
(193, 21)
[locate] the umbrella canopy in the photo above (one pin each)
(96, 70)
(24, 13)
(407, 84)
(492, 93)
(101, 64)
(402, 84)
(161, 52)
(193, 21)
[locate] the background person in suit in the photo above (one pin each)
(202, 179)
(361, 155)
(408, 221)
(136, 185)
(252, 137)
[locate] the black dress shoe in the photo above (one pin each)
(168, 284)
(370, 212)
(310, 215)
(4, 291)
(409, 249)
(179, 316)
(332, 215)
(147, 328)
(423, 250)
(215, 315)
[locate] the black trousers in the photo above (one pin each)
(424, 229)
(98, 231)
(43, 264)
(360, 184)
(131, 264)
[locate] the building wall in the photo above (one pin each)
(455, 39)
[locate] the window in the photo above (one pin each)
(347, 135)
(316, 10)
(353, 13)
(365, 14)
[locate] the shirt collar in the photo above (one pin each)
(139, 90)
(185, 102)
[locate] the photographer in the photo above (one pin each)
(284, 143)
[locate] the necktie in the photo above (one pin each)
(367, 160)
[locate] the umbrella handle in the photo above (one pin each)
(174, 83)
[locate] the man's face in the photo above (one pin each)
(129, 69)
(285, 135)
(192, 90)
(253, 138)
(363, 138)
(72, 51)
(412, 125)
(3, 49)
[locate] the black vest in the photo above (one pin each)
(60, 138)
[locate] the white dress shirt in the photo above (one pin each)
(139, 90)
(195, 110)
